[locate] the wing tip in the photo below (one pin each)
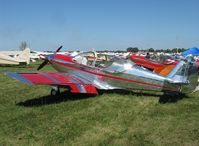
(17, 76)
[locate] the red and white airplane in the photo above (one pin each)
(81, 75)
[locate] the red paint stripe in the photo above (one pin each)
(74, 88)
(37, 78)
(90, 89)
(114, 77)
(64, 79)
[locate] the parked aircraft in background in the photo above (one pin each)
(81, 75)
(15, 57)
(42, 54)
(161, 68)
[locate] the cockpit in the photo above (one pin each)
(107, 63)
(93, 59)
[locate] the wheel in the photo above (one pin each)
(170, 96)
(55, 92)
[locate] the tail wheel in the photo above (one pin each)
(170, 96)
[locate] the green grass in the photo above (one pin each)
(29, 116)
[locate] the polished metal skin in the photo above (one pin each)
(85, 73)
(125, 74)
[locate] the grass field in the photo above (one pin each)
(29, 116)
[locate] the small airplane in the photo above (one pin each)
(15, 57)
(161, 68)
(82, 75)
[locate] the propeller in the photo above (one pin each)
(47, 60)
(58, 49)
(43, 64)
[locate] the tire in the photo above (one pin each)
(55, 92)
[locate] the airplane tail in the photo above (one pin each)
(184, 74)
(24, 56)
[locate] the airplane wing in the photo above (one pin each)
(76, 84)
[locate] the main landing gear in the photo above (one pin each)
(55, 91)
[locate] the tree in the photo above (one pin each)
(179, 50)
(129, 49)
(167, 51)
(151, 50)
(23, 45)
(175, 50)
(182, 50)
(134, 50)
(160, 50)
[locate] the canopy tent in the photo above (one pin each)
(193, 51)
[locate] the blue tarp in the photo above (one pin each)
(193, 51)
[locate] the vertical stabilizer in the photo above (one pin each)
(185, 73)
(24, 56)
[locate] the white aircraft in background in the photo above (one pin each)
(15, 57)
(42, 54)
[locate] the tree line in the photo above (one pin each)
(174, 50)
(24, 45)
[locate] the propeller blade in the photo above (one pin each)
(43, 64)
(58, 49)
(46, 60)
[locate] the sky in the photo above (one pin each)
(99, 24)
